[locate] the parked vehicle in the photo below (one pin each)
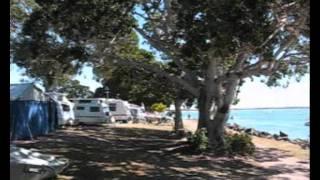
(167, 116)
(151, 117)
(120, 110)
(65, 108)
(138, 113)
(30, 165)
(91, 110)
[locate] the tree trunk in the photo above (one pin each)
(178, 124)
(50, 83)
(216, 127)
(206, 94)
(204, 105)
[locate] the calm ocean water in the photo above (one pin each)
(290, 121)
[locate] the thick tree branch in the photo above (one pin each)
(230, 91)
(295, 55)
(270, 37)
(267, 67)
(167, 49)
(272, 64)
(140, 15)
(153, 68)
(192, 90)
(158, 44)
(168, 16)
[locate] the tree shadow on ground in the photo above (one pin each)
(269, 154)
(97, 152)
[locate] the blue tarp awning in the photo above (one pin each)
(31, 114)
(29, 119)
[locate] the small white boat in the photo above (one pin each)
(29, 165)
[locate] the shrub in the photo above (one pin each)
(199, 140)
(239, 144)
(158, 107)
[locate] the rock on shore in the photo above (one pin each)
(280, 137)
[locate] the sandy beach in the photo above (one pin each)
(149, 151)
(191, 125)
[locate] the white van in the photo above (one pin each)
(91, 110)
(138, 113)
(120, 110)
(65, 108)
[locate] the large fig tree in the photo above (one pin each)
(58, 37)
(216, 44)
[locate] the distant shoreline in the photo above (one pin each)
(252, 108)
(271, 108)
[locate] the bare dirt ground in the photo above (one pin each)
(139, 151)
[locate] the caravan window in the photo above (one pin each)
(94, 109)
(113, 107)
(134, 112)
(80, 108)
(105, 109)
(84, 101)
(65, 107)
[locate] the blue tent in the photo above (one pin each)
(31, 112)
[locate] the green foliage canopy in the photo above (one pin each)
(74, 89)
(60, 36)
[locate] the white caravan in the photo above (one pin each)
(120, 110)
(64, 107)
(91, 110)
(137, 113)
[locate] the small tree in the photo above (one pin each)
(158, 107)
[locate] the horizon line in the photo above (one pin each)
(243, 108)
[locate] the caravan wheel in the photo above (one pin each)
(71, 122)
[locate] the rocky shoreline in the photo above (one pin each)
(305, 144)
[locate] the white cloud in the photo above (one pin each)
(256, 94)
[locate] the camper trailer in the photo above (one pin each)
(91, 110)
(120, 110)
(64, 107)
(31, 113)
(137, 113)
